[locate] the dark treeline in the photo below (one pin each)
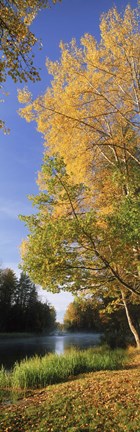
(95, 315)
(20, 308)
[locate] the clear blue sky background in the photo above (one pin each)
(21, 151)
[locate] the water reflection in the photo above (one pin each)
(16, 349)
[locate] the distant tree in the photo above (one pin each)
(83, 315)
(44, 317)
(34, 315)
(27, 293)
(91, 314)
(71, 317)
(25, 300)
(59, 326)
(20, 308)
(8, 289)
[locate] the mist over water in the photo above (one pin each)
(16, 349)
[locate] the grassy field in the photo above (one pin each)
(105, 401)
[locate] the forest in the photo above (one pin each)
(20, 307)
(94, 315)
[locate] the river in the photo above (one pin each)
(17, 348)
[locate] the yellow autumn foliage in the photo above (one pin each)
(89, 114)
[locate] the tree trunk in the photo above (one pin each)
(132, 328)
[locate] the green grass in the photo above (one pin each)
(4, 378)
(105, 401)
(39, 372)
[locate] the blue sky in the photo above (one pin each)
(21, 151)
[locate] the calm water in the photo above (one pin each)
(15, 349)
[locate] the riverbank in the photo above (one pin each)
(101, 401)
(5, 336)
(37, 372)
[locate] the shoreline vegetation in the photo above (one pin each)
(38, 372)
(14, 335)
(105, 400)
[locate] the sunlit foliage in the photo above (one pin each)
(17, 40)
(85, 235)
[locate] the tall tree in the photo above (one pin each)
(73, 246)
(27, 293)
(8, 288)
(92, 108)
(29, 313)
(82, 236)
